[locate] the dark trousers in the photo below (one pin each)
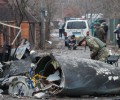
(118, 42)
(72, 47)
(105, 38)
(60, 32)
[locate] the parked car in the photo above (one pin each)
(77, 27)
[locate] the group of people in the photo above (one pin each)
(96, 43)
(101, 32)
(97, 47)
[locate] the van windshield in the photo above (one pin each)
(76, 25)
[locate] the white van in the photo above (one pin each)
(77, 27)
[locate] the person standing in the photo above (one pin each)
(105, 27)
(99, 32)
(60, 24)
(117, 34)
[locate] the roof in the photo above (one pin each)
(8, 14)
(80, 20)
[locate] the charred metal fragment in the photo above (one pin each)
(65, 76)
(22, 51)
(18, 67)
(80, 76)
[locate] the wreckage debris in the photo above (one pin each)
(51, 75)
(31, 75)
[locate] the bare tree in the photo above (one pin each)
(18, 7)
(110, 8)
(52, 10)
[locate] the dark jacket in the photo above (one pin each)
(117, 31)
(72, 41)
(105, 27)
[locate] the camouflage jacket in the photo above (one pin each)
(99, 33)
(98, 52)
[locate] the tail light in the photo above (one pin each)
(87, 33)
(65, 33)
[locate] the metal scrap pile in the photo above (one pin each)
(22, 73)
(43, 76)
(27, 75)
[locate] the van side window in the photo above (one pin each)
(76, 25)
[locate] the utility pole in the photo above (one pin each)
(62, 9)
(42, 16)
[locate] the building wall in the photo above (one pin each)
(25, 33)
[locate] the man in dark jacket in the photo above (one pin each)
(72, 43)
(105, 27)
(117, 34)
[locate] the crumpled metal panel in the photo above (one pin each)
(18, 67)
(81, 76)
(86, 76)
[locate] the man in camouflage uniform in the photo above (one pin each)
(99, 32)
(97, 47)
